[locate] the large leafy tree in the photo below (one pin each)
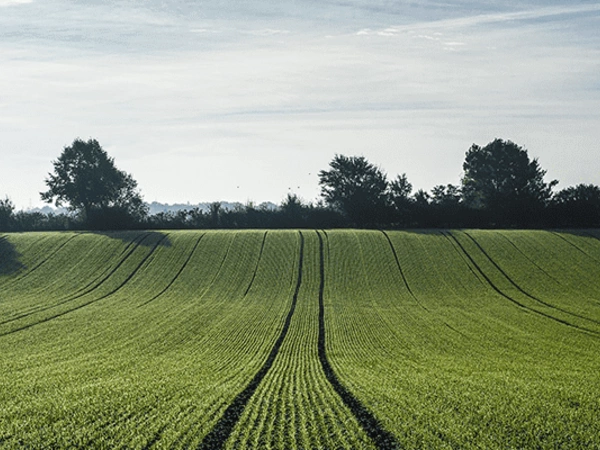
(356, 188)
(86, 180)
(501, 179)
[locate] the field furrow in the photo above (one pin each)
(507, 288)
(82, 300)
(292, 339)
(223, 428)
(144, 363)
(296, 406)
(424, 383)
(53, 289)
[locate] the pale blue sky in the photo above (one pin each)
(247, 100)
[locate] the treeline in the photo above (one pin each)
(501, 187)
(291, 213)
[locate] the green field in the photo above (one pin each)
(300, 339)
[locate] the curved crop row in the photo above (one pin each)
(440, 356)
(287, 339)
(161, 374)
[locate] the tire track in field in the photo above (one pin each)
(131, 247)
(262, 246)
(528, 258)
(217, 437)
(90, 287)
(572, 244)
(42, 262)
(527, 294)
(402, 272)
(382, 438)
(216, 274)
(129, 277)
(511, 299)
(177, 274)
(408, 287)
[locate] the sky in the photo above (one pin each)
(248, 100)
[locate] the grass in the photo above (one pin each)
(300, 339)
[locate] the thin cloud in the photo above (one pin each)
(269, 32)
(481, 19)
(204, 31)
(14, 2)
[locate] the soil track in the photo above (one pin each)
(184, 265)
(382, 438)
(123, 283)
(511, 299)
(521, 290)
(222, 430)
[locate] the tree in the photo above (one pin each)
(7, 209)
(448, 195)
(400, 189)
(501, 179)
(446, 206)
(86, 180)
(577, 206)
(399, 194)
(292, 212)
(356, 188)
(215, 213)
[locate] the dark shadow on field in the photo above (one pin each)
(9, 258)
(138, 237)
(582, 232)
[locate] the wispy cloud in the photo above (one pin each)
(14, 2)
(268, 32)
(481, 19)
(204, 31)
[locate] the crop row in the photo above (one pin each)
(430, 336)
(288, 339)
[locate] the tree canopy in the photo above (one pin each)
(356, 188)
(501, 179)
(86, 180)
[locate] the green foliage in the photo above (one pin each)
(400, 189)
(501, 178)
(86, 179)
(355, 187)
(448, 195)
(462, 339)
(577, 206)
(7, 209)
